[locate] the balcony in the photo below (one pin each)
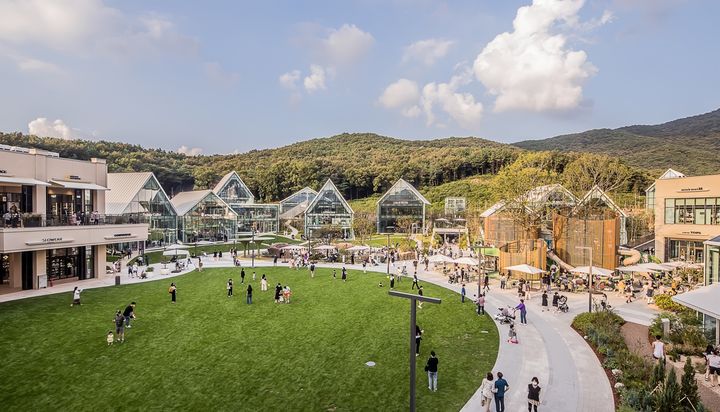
(33, 220)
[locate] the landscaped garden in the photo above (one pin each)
(211, 352)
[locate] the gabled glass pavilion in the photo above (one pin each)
(202, 215)
(402, 200)
(296, 204)
(252, 217)
(329, 210)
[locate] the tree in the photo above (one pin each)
(363, 226)
(404, 224)
(667, 398)
(689, 386)
(590, 170)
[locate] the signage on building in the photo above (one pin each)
(73, 177)
(691, 232)
(48, 241)
(120, 236)
(692, 189)
(3, 172)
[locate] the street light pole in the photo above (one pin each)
(589, 276)
(252, 242)
(413, 324)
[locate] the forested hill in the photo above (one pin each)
(359, 164)
(690, 145)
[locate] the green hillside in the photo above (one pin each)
(691, 145)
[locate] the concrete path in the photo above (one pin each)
(569, 372)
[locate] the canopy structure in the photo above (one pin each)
(325, 247)
(440, 259)
(595, 270)
(656, 267)
(176, 252)
(527, 269)
(358, 248)
(683, 264)
(467, 261)
(77, 185)
(22, 181)
(704, 300)
(635, 269)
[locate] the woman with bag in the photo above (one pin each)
(173, 292)
(486, 389)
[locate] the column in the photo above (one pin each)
(15, 270)
(100, 261)
(40, 257)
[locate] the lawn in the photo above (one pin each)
(382, 240)
(210, 352)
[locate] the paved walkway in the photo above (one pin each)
(569, 372)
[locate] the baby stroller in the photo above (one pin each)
(506, 316)
(562, 304)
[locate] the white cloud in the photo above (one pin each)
(189, 151)
(532, 68)
(346, 45)
(427, 51)
(42, 127)
(402, 94)
(315, 80)
(289, 80)
(218, 74)
(462, 108)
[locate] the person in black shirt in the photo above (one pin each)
(249, 294)
(278, 292)
(129, 313)
(312, 270)
(418, 338)
(229, 287)
(432, 370)
(415, 282)
(556, 298)
(533, 395)
(120, 326)
(544, 301)
(344, 274)
(242, 275)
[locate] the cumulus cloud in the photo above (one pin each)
(346, 45)
(43, 127)
(404, 95)
(315, 80)
(217, 73)
(189, 151)
(532, 67)
(289, 80)
(427, 51)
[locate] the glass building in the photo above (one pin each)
(140, 199)
(202, 215)
(455, 206)
(252, 217)
(296, 204)
(402, 200)
(329, 210)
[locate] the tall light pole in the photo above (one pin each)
(387, 253)
(413, 324)
(589, 276)
(252, 242)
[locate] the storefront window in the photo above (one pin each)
(685, 250)
(4, 269)
(696, 211)
(76, 262)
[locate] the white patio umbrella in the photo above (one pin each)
(466, 261)
(635, 268)
(325, 247)
(358, 248)
(524, 268)
(175, 252)
(440, 259)
(655, 266)
(585, 270)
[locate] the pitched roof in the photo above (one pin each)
(669, 174)
(531, 198)
(225, 179)
(329, 185)
(597, 193)
(303, 190)
(184, 202)
(123, 188)
(403, 183)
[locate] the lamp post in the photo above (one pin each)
(481, 261)
(252, 242)
(413, 360)
(589, 276)
(387, 253)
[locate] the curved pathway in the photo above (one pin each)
(569, 372)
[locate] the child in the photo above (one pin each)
(512, 334)
(229, 287)
(253, 276)
(110, 338)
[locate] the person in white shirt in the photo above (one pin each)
(658, 349)
(76, 296)
(714, 366)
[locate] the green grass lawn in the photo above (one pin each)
(381, 241)
(210, 352)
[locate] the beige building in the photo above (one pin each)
(54, 228)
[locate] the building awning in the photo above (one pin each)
(22, 181)
(705, 300)
(78, 185)
(713, 242)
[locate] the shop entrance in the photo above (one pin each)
(76, 262)
(27, 270)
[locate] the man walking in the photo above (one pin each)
(432, 370)
(312, 270)
(242, 275)
(418, 339)
(462, 294)
(129, 313)
(229, 287)
(420, 293)
(501, 386)
(415, 282)
(486, 288)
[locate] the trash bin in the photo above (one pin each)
(42, 281)
(117, 280)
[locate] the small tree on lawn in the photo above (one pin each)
(689, 386)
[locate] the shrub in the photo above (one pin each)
(689, 387)
(150, 269)
(665, 302)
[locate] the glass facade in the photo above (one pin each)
(234, 192)
(685, 250)
(650, 198)
(257, 217)
(400, 201)
(210, 219)
(302, 197)
(712, 266)
(696, 211)
(152, 206)
(329, 209)
(455, 205)
(15, 199)
(4, 269)
(66, 263)
(68, 206)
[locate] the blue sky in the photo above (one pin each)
(225, 76)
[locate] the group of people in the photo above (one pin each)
(493, 390)
(122, 321)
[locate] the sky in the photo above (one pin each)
(232, 76)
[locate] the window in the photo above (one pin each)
(695, 211)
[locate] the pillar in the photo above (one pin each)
(15, 270)
(40, 267)
(100, 258)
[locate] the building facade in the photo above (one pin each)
(54, 225)
(402, 200)
(329, 211)
(203, 216)
(251, 217)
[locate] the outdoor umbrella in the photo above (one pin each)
(293, 247)
(527, 269)
(175, 252)
(440, 259)
(177, 246)
(466, 261)
(635, 269)
(325, 247)
(358, 248)
(656, 266)
(585, 270)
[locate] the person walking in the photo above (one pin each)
(278, 292)
(523, 311)
(344, 274)
(462, 293)
(334, 274)
(503, 281)
(533, 395)
(556, 301)
(420, 293)
(658, 349)
(512, 334)
(173, 292)
(544, 301)
(486, 282)
(76, 297)
(364, 265)
(253, 276)
(432, 370)
(129, 313)
(501, 386)
(312, 270)
(481, 304)
(418, 339)
(263, 283)
(415, 282)
(392, 281)
(713, 360)
(486, 390)
(229, 287)
(249, 294)
(242, 275)
(119, 326)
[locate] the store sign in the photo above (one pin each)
(120, 236)
(73, 177)
(3, 172)
(691, 232)
(48, 241)
(692, 190)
